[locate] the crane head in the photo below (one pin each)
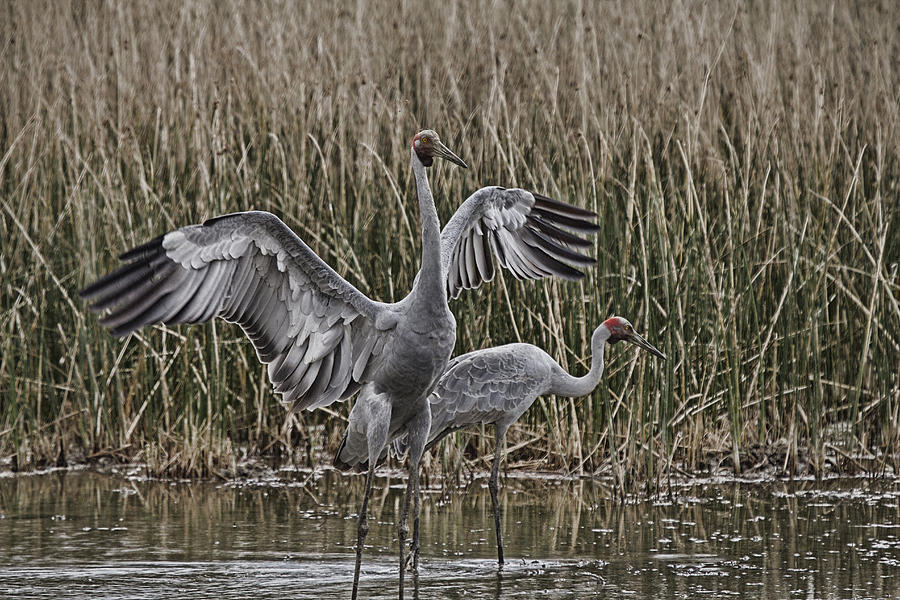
(428, 146)
(620, 329)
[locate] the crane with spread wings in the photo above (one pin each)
(321, 338)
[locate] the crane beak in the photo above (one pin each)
(637, 340)
(442, 151)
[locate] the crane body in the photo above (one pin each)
(495, 386)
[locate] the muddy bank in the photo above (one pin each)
(758, 464)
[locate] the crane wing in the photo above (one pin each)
(495, 385)
(531, 235)
(316, 332)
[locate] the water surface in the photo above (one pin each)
(87, 535)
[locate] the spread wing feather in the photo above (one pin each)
(317, 333)
(530, 234)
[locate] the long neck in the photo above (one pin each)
(566, 385)
(430, 280)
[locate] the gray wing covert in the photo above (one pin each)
(316, 332)
(530, 234)
(486, 386)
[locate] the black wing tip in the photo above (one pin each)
(151, 247)
(135, 259)
(559, 219)
(132, 258)
(550, 204)
(437, 439)
(254, 214)
(90, 290)
(360, 467)
(587, 261)
(337, 463)
(214, 220)
(544, 229)
(557, 267)
(347, 467)
(555, 247)
(97, 287)
(121, 332)
(340, 465)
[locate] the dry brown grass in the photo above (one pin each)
(743, 159)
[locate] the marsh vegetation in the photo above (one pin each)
(743, 159)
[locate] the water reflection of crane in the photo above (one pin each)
(322, 339)
(497, 385)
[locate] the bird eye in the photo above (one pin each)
(424, 139)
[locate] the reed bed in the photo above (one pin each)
(743, 160)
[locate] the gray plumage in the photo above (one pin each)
(495, 386)
(323, 339)
(320, 336)
(523, 229)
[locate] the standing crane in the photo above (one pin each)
(322, 339)
(497, 385)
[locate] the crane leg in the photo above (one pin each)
(417, 436)
(362, 527)
(403, 530)
(493, 487)
(378, 423)
(414, 548)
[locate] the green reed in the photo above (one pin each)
(743, 162)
